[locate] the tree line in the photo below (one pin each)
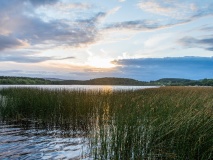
(106, 81)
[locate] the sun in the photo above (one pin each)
(99, 62)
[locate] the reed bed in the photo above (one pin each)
(159, 123)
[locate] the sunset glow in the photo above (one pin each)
(100, 63)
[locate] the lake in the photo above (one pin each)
(89, 87)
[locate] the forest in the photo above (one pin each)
(4, 80)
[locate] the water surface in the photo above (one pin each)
(90, 87)
(17, 142)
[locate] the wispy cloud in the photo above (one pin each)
(177, 13)
(207, 28)
(38, 73)
(144, 25)
(113, 10)
(205, 43)
(28, 57)
(41, 2)
(100, 16)
(68, 6)
(175, 9)
(155, 7)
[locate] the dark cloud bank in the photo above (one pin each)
(144, 69)
(176, 67)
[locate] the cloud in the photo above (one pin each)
(23, 25)
(24, 59)
(175, 9)
(143, 25)
(114, 10)
(65, 6)
(11, 42)
(149, 25)
(34, 74)
(66, 58)
(20, 24)
(59, 33)
(207, 28)
(54, 74)
(27, 57)
(99, 17)
(136, 25)
(170, 67)
(93, 20)
(169, 13)
(21, 21)
(205, 43)
(42, 2)
(155, 7)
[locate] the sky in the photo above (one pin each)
(85, 39)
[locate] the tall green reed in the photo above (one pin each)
(164, 123)
(160, 123)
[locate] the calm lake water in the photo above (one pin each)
(28, 142)
(90, 87)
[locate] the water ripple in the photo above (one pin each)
(29, 144)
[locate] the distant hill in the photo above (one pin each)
(106, 81)
(23, 80)
(172, 81)
(54, 79)
(183, 82)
